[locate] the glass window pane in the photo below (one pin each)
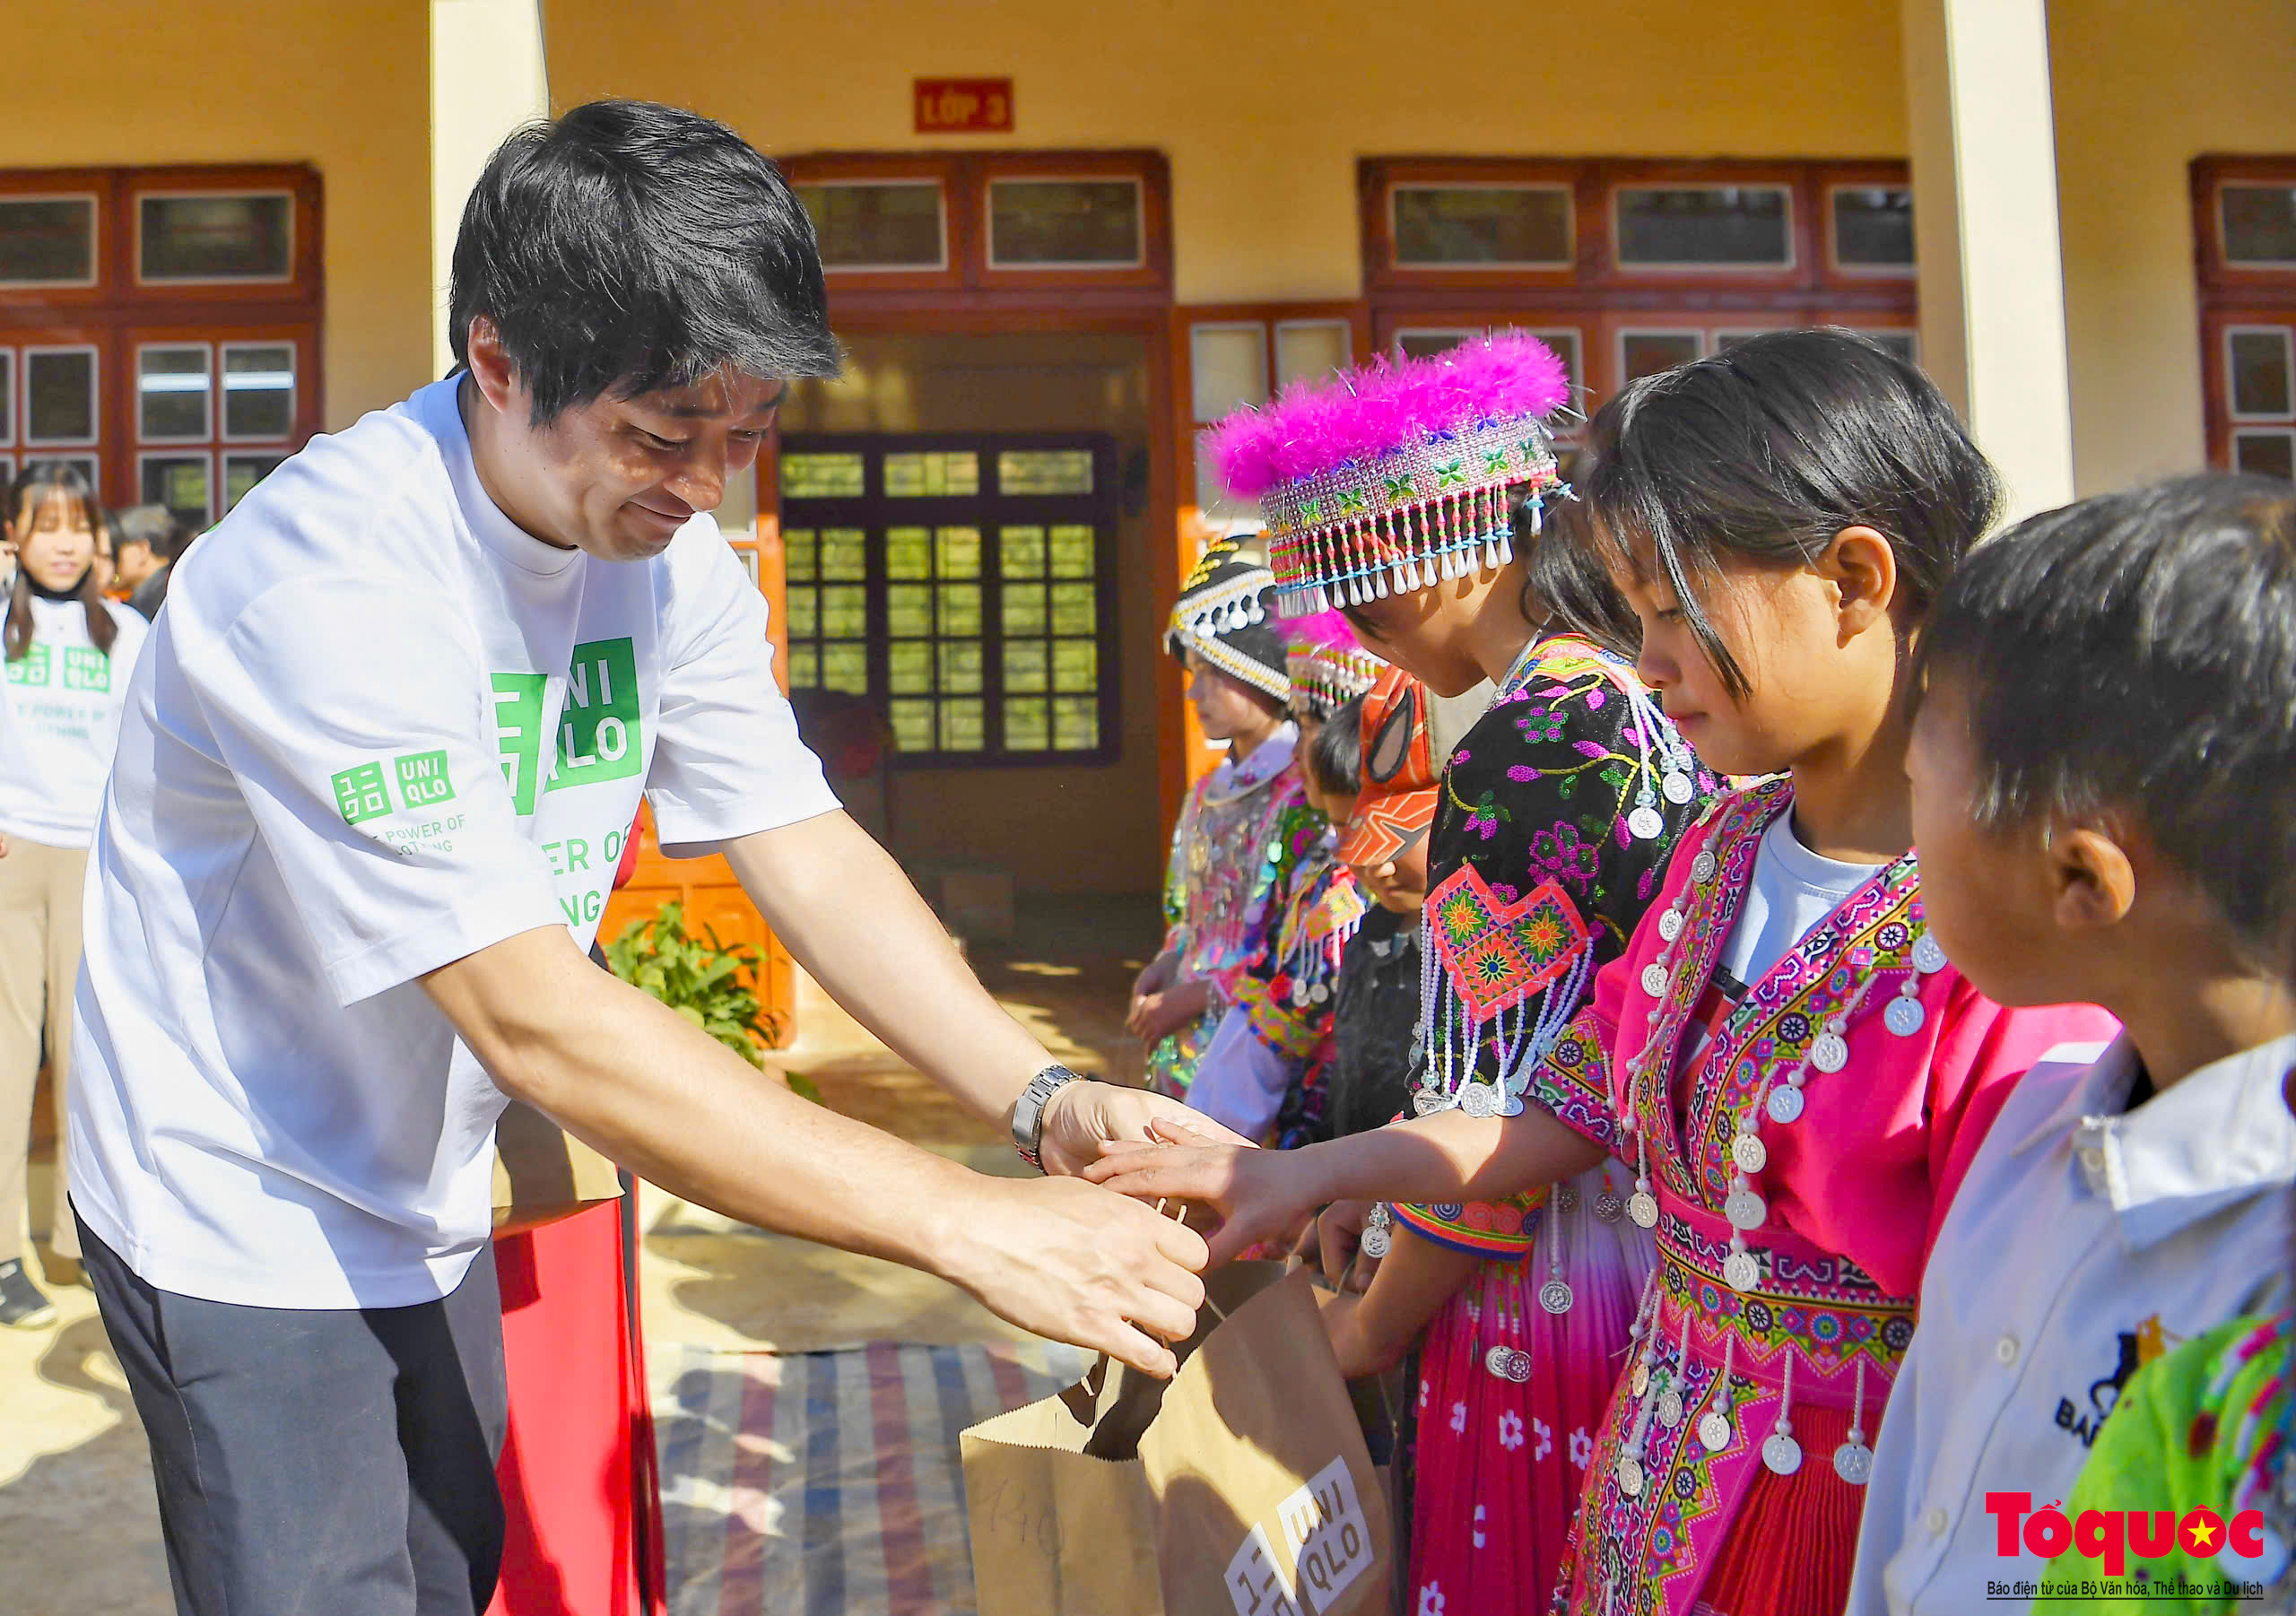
(2259, 366)
(243, 472)
(7, 396)
(1025, 609)
(964, 725)
(1072, 551)
(1565, 344)
(1648, 353)
(1075, 723)
(1021, 551)
(215, 236)
(258, 389)
(1053, 222)
(804, 667)
(909, 611)
(1703, 225)
(172, 388)
(1075, 665)
(1044, 470)
(846, 667)
(1873, 227)
(1028, 724)
(960, 666)
(909, 668)
(821, 476)
(799, 552)
(804, 611)
(844, 554)
(877, 224)
(909, 476)
(1227, 368)
(956, 553)
(1073, 608)
(1308, 350)
(179, 483)
(60, 402)
(912, 722)
(48, 240)
(2259, 223)
(1498, 225)
(845, 611)
(908, 552)
(1724, 340)
(960, 613)
(2266, 454)
(1025, 665)
(1905, 345)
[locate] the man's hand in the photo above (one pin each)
(1082, 1118)
(1258, 1194)
(1063, 1259)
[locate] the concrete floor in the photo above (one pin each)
(78, 1534)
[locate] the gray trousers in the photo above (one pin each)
(318, 1463)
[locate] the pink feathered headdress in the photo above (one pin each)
(1328, 669)
(1389, 477)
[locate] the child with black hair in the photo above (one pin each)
(1785, 1059)
(2102, 763)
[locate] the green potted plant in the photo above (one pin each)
(704, 979)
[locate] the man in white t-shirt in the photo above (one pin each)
(371, 783)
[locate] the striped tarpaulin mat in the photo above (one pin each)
(828, 1484)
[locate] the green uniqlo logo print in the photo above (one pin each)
(599, 732)
(85, 668)
(422, 780)
(517, 728)
(30, 668)
(360, 794)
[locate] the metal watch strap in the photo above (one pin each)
(1028, 1111)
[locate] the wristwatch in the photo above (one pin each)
(1028, 1112)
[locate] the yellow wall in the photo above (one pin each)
(1264, 106)
(343, 84)
(2142, 90)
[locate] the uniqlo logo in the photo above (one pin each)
(360, 795)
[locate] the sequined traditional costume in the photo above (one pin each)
(1794, 1171)
(1244, 825)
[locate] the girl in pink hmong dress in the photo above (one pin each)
(1792, 1068)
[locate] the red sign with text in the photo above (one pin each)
(964, 106)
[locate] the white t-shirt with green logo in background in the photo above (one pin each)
(379, 728)
(59, 721)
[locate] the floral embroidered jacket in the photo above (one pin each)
(1854, 1188)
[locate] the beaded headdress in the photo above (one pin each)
(1223, 616)
(1398, 801)
(1398, 474)
(1328, 669)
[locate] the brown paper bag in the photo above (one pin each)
(1251, 1493)
(543, 1174)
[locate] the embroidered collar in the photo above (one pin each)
(1240, 777)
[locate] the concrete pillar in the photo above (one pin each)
(1984, 149)
(488, 76)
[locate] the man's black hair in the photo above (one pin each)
(1767, 449)
(2136, 652)
(1335, 759)
(627, 246)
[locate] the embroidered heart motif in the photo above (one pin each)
(1496, 955)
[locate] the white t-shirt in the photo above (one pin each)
(60, 721)
(380, 728)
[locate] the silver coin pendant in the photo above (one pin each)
(1714, 1432)
(1749, 1152)
(1676, 787)
(1496, 1361)
(1670, 1408)
(1853, 1462)
(1630, 1476)
(1654, 979)
(1609, 1208)
(1784, 1103)
(1554, 1296)
(1928, 954)
(1643, 1206)
(1377, 1243)
(1904, 1016)
(1641, 1377)
(1647, 824)
(1518, 1366)
(1427, 1102)
(1741, 1270)
(1670, 925)
(1566, 1198)
(1745, 1209)
(1476, 1101)
(1829, 1053)
(1702, 867)
(1781, 1454)
(1318, 993)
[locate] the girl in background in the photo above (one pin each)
(69, 654)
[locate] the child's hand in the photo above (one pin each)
(1342, 1314)
(1258, 1194)
(1339, 1239)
